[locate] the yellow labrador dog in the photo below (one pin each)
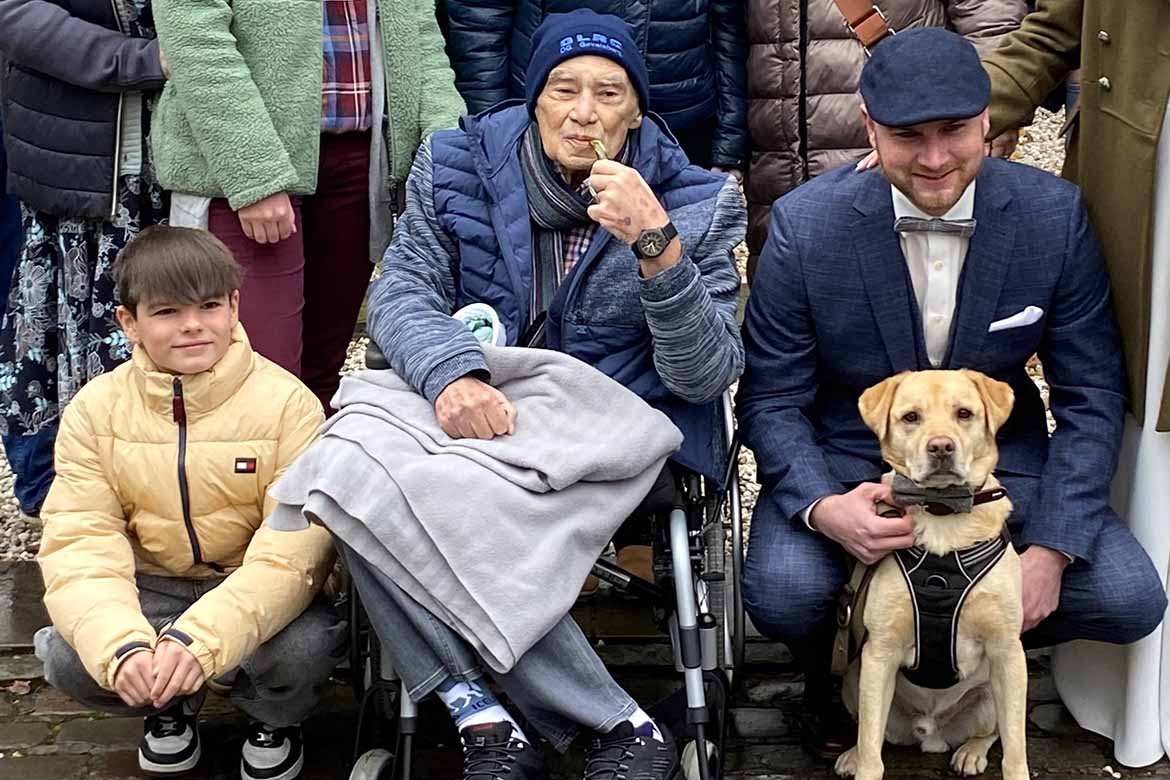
(937, 431)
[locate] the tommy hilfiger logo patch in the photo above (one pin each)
(245, 465)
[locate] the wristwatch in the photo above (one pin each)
(652, 242)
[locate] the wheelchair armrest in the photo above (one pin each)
(374, 357)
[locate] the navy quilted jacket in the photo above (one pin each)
(695, 52)
(466, 236)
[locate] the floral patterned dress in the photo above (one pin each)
(60, 330)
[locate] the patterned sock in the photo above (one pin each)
(644, 725)
(471, 704)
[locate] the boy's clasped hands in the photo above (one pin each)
(155, 677)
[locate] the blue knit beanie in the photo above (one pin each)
(579, 33)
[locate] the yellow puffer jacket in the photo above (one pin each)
(169, 475)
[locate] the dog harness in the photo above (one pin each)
(939, 584)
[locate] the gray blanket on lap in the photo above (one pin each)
(493, 537)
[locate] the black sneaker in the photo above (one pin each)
(170, 739)
(490, 752)
(628, 752)
(272, 753)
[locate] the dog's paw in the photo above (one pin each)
(970, 758)
(934, 744)
(846, 765)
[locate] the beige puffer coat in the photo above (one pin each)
(169, 475)
(803, 107)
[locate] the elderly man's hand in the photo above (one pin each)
(470, 409)
(625, 203)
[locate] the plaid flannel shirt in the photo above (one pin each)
(578, 239)
(346, 86)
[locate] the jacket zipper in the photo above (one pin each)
(180, 412)
(118, 128)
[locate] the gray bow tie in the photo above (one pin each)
(958, 499)
(954, 500)
(963, 228)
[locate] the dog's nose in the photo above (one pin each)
(941, 446)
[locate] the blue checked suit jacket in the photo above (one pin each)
(832, 312)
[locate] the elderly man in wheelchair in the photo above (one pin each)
(570, 221)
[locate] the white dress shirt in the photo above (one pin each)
(935, 261)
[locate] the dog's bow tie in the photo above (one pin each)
(955, 500)
(963, 228)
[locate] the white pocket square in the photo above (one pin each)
(1020, 319)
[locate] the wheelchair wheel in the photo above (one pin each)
(721, 569)
(715, 581)
(373, 765)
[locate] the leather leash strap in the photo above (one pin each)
(851, 631)
(865, 20)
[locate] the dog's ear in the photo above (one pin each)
(998, 398)
(874, 404)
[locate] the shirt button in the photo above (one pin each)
(938, 265)
(936, 318)
(1103, 36)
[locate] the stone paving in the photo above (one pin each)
(45, 736)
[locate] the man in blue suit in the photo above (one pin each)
(941, 259)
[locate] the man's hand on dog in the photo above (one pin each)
(1041, 569)
(471, 409)
(852, 521)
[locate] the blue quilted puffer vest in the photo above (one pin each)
(481, 204)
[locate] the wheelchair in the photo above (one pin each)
(697, 543)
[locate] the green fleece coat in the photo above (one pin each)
(241, 116)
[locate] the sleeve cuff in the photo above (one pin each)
(806, 515)
(196, 648)
(669, 283)
(120, 656)
(451, 369)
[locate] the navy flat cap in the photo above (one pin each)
(924, 75)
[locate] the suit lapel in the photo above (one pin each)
(883, 271)
(984, 270)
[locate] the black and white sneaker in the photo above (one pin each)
(272, 753)
(490, 752)
(170, 739)
(629, 753)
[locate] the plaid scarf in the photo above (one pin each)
(559, 216)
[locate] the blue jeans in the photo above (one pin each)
(792, 576)
(559, 685)
(31, 460)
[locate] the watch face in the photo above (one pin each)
(651, 243)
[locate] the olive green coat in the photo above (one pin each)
(1124, 50)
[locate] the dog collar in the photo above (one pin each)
(954, 500)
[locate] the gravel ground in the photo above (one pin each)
(1039, 145)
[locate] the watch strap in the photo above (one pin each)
(668, 231)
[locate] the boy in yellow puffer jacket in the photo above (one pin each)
(159, 572)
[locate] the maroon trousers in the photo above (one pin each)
(300, 297)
